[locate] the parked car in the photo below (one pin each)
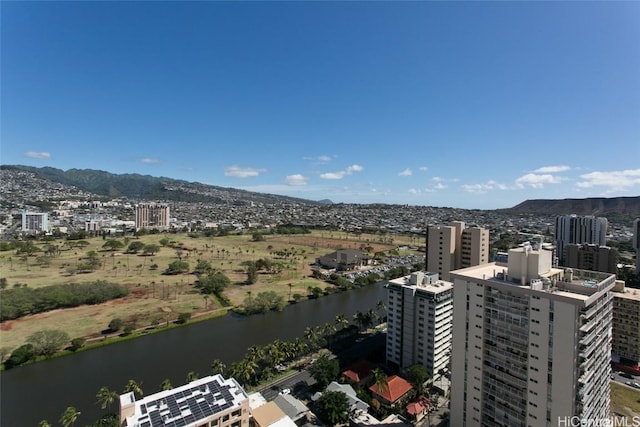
(634, 384)
(627, 375)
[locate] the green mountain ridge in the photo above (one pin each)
(146, 187)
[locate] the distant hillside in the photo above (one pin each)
(619, 209)
(146, 187)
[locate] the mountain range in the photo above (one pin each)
(146, 187)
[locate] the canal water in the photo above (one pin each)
(43, 390)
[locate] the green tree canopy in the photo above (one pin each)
(417, 375)
(113, 245)
(47, 341)
(135, 246)
(213, 283)
(333, 408)
(324, 370)
(177, 267)
(150, 249)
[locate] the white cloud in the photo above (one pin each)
(413, 191)
(406, 172)
(423, 168)
(296, 179)
(614, 180)
(437, 179)
(538, 180)
(439, 186)
(240, 172)
(341, 174)
(483, 188)
(332, 175)
(552, 169)
(320, 159)
(37, 155)
(150, 160)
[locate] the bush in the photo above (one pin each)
(184, 317)
(20, 355)
(115, 324)
(77, 343)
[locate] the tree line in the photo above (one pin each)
(18, 302)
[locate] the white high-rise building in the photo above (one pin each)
(34, 222)
(419, 310)
(456, 246)
(578, 229)
(531, 343)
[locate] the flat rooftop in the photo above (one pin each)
(186, 405)
(582, 285)
(433, 287)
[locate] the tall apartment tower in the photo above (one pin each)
(33, 222)
(419, 313)
(152, 215)
(531, 343)
(453, 247)
(578, 229)
(636, 243)
(625, 347)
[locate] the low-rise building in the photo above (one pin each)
(206, 402)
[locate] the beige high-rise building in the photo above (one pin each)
(625, 347)
(457, 246)
(531, 343)
(152, 216)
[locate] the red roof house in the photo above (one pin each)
(359, 370)
(397, 387)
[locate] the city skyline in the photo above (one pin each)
(471, 105)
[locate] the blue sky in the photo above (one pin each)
(460, 104)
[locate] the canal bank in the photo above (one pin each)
(43, 390)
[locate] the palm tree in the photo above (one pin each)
(106, 397)
(192, 376)
(255, 353)
(341, 321)
(381, 380)
(44, 423)
(133, 386)
(243, 370)
(360, 319)
(217, 367)
(166, 384)
(311, 336)
(69, 416)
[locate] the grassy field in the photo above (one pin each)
(625, 401)
(156, 298)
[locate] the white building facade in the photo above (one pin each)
(531, 343)
(34, 222)
(419, 313)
